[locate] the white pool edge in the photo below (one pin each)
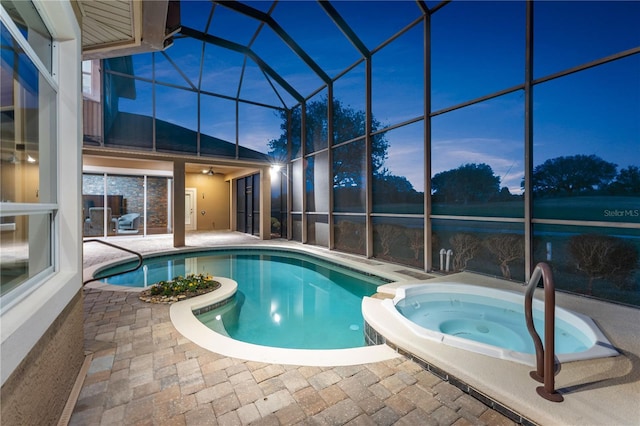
(184, 320)
(373, 310)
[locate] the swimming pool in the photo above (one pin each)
(284, 299)
(491, 322)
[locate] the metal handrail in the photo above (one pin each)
(545, 356)
(115, 273)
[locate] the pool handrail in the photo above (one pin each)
(545, 356)
(94, 240)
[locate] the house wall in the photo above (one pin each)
(41, 350)
(36, 392)
(213, 198)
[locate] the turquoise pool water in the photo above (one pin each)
(488, 320)
(284, 299)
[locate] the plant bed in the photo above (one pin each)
(179, 288)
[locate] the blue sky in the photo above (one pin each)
(478, 49)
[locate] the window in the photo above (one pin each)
(28, 193)
(91, 80)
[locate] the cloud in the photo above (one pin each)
(505, 158)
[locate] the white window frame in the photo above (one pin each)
(94, 75)
(27, 209)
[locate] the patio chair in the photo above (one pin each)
(94, 224)
(128, 223)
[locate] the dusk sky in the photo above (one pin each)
(478, 49)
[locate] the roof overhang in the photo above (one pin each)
(112, 28)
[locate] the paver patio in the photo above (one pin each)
(144, 372)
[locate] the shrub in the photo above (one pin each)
(604, 257)
(465, 247)
(190, 285)
(507, 248)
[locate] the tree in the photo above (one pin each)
(572, 175)
(465, 247)
(604, 257)
(507, 248)
(348, 124)
(468, 183)
(627, 182)
(388, 234)
(391, 189)
(416, 240)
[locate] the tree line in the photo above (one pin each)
(466, 184)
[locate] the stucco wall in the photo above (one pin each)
(37, 391)
(212, 197)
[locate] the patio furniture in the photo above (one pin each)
(128, 223)
(94, 224)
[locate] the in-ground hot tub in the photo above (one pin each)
(492, 322)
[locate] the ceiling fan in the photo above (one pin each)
(210, 172)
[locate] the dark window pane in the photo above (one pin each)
(28, 252)
(27, 129)
(128, 112)
(350, 234)
(599, 262)
(492, 248)
(399, 240)
(27, 18)
(316, 124)
(296, 227)
(318, 230)
(255, 202)
(296, 133)
(241, 205)
(278, 203)
(349, 177)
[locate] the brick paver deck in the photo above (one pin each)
(144, 372)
